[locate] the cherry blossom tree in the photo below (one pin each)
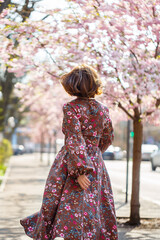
(119, 38)
(44, 100)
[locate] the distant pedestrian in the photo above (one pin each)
(78, 200)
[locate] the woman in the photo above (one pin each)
(78, 201)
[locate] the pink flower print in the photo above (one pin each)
(76, 215)
(85, 213)
(81, 152)
(92, 158)
(90, 145)
(54, 190)
(46, 237)
(61, 235)
(74, 222)
(71, 216)
(86, 120)
(84, 108)
(69, 113)
(91, 195)
(114, 227)
(65, 227)
(89, 234)
(62, 199)
(56, 202)
(70, 142)
(45, 223)
(67, 207)
(78, 164)
(30, 229)
(66, 191)
(95, 133)
(94, 125)
(82, 147)
(81, 156)
(78, 115)
(103, 230)
(90, 126)
(69, 121)
(58, 178)
(101, 113)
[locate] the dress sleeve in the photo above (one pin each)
(78, 162)
(107, 135)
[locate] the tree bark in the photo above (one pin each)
(41, 147)
(49, 149)
(135, 203)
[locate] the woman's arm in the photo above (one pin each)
(107, 135)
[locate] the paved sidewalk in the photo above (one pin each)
(23, 192)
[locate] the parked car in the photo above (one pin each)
(113, 153)
(155, 159)
(18, 149)
(147, 150)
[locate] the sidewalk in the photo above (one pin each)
(22, 196)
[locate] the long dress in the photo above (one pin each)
(67, 210)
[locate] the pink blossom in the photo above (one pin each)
(69, 113)
(30, 229)
(67, 207)
(89, 234)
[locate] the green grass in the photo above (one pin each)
(2, 169)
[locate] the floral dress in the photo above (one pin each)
(67, 210)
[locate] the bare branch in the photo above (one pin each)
(156, 51)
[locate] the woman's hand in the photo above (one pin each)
(83, 181)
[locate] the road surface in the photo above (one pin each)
(149, 180)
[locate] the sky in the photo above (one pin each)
(49, 5)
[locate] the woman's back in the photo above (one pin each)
(95, 123)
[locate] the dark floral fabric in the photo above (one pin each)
(68, 211)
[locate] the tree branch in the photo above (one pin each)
(120, 106)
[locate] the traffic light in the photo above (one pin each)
(131, 134)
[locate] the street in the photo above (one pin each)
(149, 180)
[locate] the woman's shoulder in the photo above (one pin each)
(77, 103)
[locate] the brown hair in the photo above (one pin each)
(82, 81)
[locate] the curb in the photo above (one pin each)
(5, 177)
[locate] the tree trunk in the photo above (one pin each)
(41, 147)
(49, 149)
(135, 204)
